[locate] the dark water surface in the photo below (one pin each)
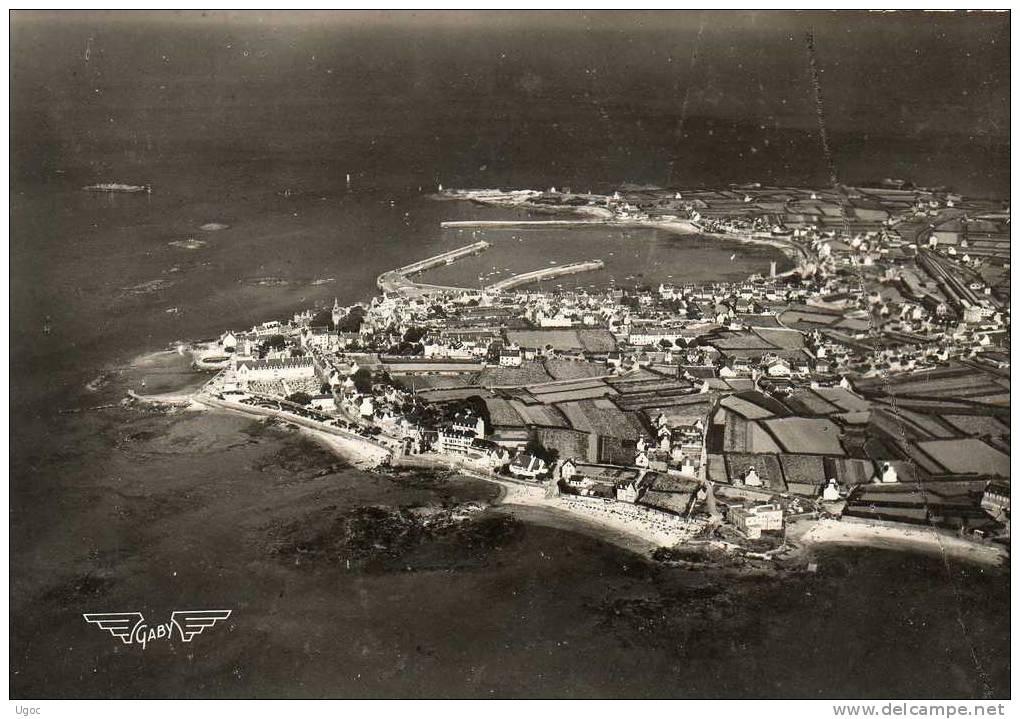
(255, 126)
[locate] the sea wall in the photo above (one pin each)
(369, 449)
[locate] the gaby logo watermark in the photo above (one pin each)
(130, 627)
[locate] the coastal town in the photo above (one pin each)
(868, 386)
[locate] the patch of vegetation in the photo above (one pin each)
(302, 457)
(696, 620)
(352, 322)
(274, 342)
(143, 435)
(384, 539)
(362, 380)
(417, 478)
(323, 318)
(546, 454)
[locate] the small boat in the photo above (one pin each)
(117, 187)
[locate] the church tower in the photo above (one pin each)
(337, 312)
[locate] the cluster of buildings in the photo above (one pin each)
(747, 402)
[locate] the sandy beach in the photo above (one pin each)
(921, 539)
(686, 227)
(360, 454)
(534, 504)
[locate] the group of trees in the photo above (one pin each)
(273, 342)
(362, 380)
(352, 321)
(474, 404)
(323, 318)
(541, 451)
(410, 343)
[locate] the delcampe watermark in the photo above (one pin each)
(130, 627)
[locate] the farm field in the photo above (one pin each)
(745, 409)
(741, 340)
(967, 456)
(846, 401)
(811, 403)
(803, 469)
(646, 400)
(538, 339)
(759, 440)
(597, 340)
(587, 340)
(685, 410)
(976, 425)
(541, 414)
(570, 391)
(765, 465)
(527, 373)
(946, 383)
(568, 369)
(601, 416)
(452, 394)
(502, 412)
(786, 339)
(418, 383)
(804, 435)
(808, 318)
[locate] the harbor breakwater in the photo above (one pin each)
(399, 281)
(547, 273)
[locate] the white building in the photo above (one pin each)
(751, 479)
(527, 466)
(888, 474)
(469, 423)
(752, 521)
(273, 327)
(228, 341)
(324, 403)
(995, 499)
(267, 370)
(511, 357)
(320, 338)
(453, 441)
(651, 335)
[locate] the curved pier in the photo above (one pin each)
(397, 280)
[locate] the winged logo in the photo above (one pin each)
(120, 624)
(196, 621)
(130, 627)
